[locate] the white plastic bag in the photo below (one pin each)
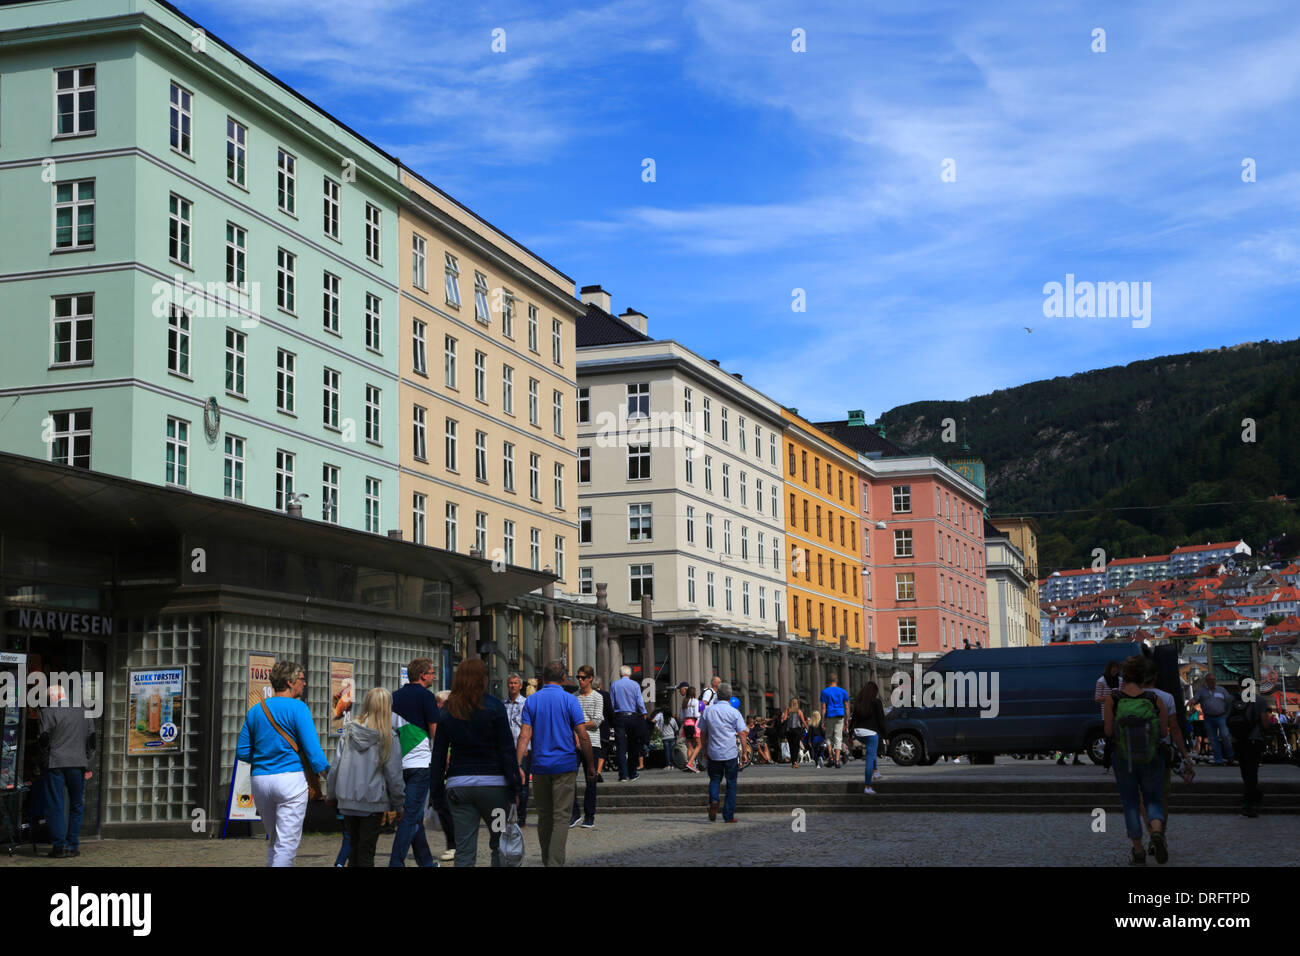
(785, 750)
(511, 847)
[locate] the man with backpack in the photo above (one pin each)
(1136, 719)
(1247, 722)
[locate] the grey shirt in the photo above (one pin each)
(1214, 703)
(69, 729)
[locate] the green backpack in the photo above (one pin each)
(1137, 727)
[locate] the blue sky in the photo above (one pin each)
(821, 170)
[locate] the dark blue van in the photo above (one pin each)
(1044, 703)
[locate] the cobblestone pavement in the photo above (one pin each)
(830, 839)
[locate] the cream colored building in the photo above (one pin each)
(487, 390)
(1008, 591)
(1023, 533)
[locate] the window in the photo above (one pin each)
(419, 446)
(534, 412)
(451, 279)
(773, 501)
(708, 417)
(794, 606)
(690, 585)
(507, 389)
(480, 299)
(330, 305)
(687, 407)
(642, 581)
(817, 472)
(690, 466)
(740, 431)
(284, 366)
(233, 486)
(559, 486)
(418, 504)
(450, 456)
(559, 557)
(330, 207)
(508, 316)
(760, 549)
(708, 472)
(419, 260)
(535, 548)
(372, 233)
(744, 598)
(329, 493)
(419, 353)
(776, 556)
(285, 181)
(178, 452)
(480, 456)
(535, 476)
(638, 400)
(178, 341)
(726, 594)
(726, 481)
(907, 630)
(331, 398)
(372, 414)
(557, 413)
(285, 263)
(708, 531)
(373, 330)
(480, 533)
(480, 373)
(840, 484)
(70, 444)
(758, 443)
(508, 465)
(905, 586)
(805, 514)
(726, 537)
(584, 525)
(708, 588)
(556, 353)
(638, 462)
(584, 407)
(509, 542)
(639, 522)
(585, 585)
(283, 478)
(236, 256)
(842, 538)
(179, 226)
(903, 543)
(744, 543)
(584, 466)
(74, 215)
(73, 332)
(744, 482)
(792, 465)
(690, 524)
(372, 505)
(724, 425)
(902, 498)
(532, 328)
(74, 101)
(182, 119)
(236, 152)
(771, 448)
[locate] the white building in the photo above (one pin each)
(1008, 590)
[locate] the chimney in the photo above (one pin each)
(738, 377)
(595, 295)
(715, 362)
(293, 509)
(395, 534)
(635, 319)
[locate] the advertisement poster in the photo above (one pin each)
(154, 706)
(241, 789)
(343, 683)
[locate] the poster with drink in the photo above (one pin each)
(343, 692)
(154, 705)
(241, 805)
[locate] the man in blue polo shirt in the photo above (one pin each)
(552, 721)
(834, 698)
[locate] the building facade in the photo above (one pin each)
(1023, 535)
(1008, 591)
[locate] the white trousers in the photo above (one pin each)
(281, 801)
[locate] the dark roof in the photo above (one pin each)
(991, 531)
(598, 327)
(861, 438)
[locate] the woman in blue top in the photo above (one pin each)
(482, 778)
(279, 784)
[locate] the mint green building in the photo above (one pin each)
(198, 267)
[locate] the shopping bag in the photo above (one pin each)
(785, 750)
(512, 839)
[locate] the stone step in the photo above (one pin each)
(868, 805)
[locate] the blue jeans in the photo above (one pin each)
(1216, 728)
(717, 768)
(1146, 781)
(345, 851)
(64, 819)
(410, 829)
(869, 746)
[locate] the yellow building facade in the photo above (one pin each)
(1023, 533)
(822, 485)
(488, 390)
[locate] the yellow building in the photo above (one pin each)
(824, 541)
(1023, 533)
(488, 389)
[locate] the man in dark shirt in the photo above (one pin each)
(69, 736)
(415, 718)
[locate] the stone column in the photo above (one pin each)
(706, 664)
(760, 680)
(550, 641)
(815, 674)
(844, 661)
(647, 638)
(602, 635)
(783, 677)
(875, 671)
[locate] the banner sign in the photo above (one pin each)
(154, 707)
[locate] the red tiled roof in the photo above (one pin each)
(1205, 547)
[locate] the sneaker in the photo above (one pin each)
(634, 776)
(1160, 848)
(599, 778)
(868, 790)
(58, 852)
(75, 852)
(589, 823)
(713, 810)
(448, 854)
(574, 822)
(1137, 857)
(732, 820)
(877, 776)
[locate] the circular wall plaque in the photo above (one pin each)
(211, 419)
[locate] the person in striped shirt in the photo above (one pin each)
(1106, 683)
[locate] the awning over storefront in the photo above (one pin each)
(44, 501)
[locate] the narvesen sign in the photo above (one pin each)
(69, 622)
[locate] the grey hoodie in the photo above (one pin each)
(357, 781)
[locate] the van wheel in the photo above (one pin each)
(906, 750)
(1096, 746)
